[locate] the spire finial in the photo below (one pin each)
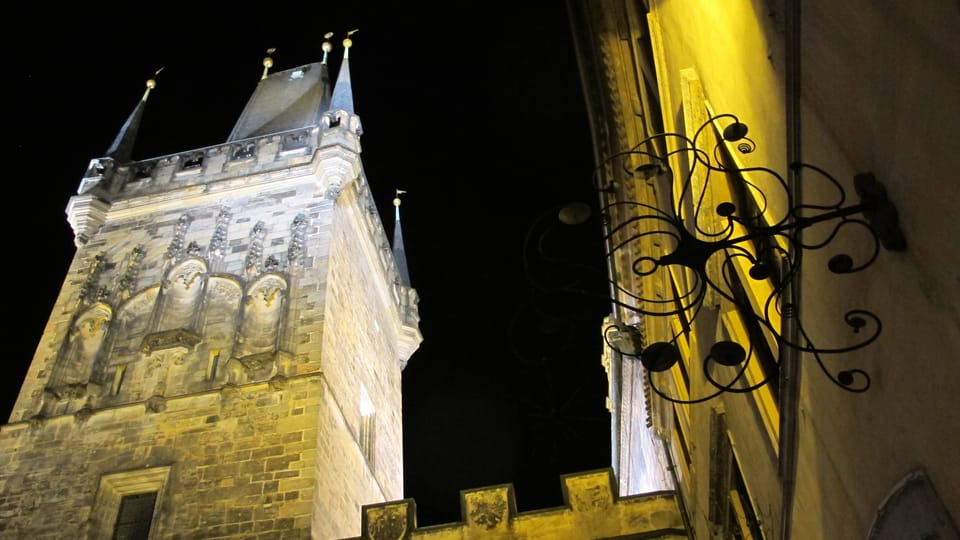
(327, 46)
(347, 43)
(151, 84)
(399, 253)
(121, 150)
(268, 62)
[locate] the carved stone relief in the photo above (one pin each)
(218, 242)
(253, 262)
(175, 249)
(296, 251)
(127, 282)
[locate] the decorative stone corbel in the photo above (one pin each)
(156, 404)
(86, 214)
(258, 367)
(410, 336)
(177, 343)
(82, 415)
(336, 167)
(38, 420)
(278, 382)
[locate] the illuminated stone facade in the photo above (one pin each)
(228, 341)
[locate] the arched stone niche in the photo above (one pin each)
(263, 308)
(181, 293)
(86, 338)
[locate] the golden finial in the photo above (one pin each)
(268, 62)
(151, 84)
(396, 200)
(327, 46)
(347, 42)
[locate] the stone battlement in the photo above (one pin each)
(592, 509)
(275, 152)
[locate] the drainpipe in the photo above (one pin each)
(789, 356)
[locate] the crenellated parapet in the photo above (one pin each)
(201, 166)
(110, 181)
(592, 509)
(330, 156)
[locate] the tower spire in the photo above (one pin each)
(343, 91)
(121, 150)
(398, 252)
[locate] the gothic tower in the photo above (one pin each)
(224, 358)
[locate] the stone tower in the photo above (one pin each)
(224, 358)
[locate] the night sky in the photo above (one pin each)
(474, 109)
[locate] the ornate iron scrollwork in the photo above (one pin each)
(719, 246)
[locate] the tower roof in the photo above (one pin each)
(399, 254)
(121, 149)
(285, 100)
(343, 91)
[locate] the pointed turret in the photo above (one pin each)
(343, 91)
(399, 254)
(410, 336)
(121, 150)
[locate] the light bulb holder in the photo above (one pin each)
(709, 244)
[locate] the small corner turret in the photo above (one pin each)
(341, 112)
(87, 211)
(409, 299)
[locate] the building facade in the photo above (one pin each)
(799, 383)
(224, 358)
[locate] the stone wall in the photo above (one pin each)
(234, 346)
(241, 461)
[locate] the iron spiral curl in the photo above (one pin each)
(716, 235)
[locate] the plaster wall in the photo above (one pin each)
(878, 93)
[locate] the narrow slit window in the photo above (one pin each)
(118, 379)
(213, 364)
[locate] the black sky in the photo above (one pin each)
(475, 109)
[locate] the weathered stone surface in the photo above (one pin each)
(231, 335)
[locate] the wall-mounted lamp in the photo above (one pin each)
(708, 236)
